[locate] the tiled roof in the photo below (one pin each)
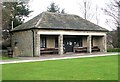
(48, 20)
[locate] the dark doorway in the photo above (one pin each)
(68, 45)
(72, 41)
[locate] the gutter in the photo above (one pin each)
(59, 29)
(33, 43)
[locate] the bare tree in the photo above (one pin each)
(113, 11)
(97, 14)
(118, 24)
(86, 9)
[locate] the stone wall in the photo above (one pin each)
(100, 44)
(84, 39)
(22, 43)
(50, 42)
(98, 41)
(95, 41)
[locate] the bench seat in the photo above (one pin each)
(49, 50)
(95, 49)
(80, 49)
(84, 49)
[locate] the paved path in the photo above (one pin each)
(55, 57)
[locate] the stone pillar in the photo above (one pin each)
(37, 45)
(104, 43)
(60, 44)
(89, 44)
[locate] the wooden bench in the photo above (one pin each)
(95, 49)
(49, 50)
(84, 49)
(80, 49)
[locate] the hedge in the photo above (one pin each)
(113, 50)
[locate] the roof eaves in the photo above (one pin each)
(23, 29)
(72, 29)
(58, 29)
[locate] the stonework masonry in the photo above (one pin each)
(23, 42)
(27, 43)
(60, 43)
(37, 44)
(89, 43)
(50, 42)
(104, 43)
(26, 37)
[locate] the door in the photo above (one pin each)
(68, 44)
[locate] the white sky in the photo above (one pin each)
(70, 6)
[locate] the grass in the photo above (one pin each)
(0, 71)
(96, 68)
(0, 57)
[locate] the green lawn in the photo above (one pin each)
(0, 71)
(96, 68)
(0, 57)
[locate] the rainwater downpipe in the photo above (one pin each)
(33, 43)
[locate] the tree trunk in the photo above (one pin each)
(118, 29)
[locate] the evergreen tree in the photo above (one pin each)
(63, 11)
(53, 8)
(13, 14)
(14, 11)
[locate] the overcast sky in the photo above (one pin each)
(70, 6)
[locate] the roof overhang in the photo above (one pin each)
(58, 29)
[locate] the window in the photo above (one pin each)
(42, 42)
(78, 42)
(92, 41)
(69, 43)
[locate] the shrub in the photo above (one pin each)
(113, 50)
